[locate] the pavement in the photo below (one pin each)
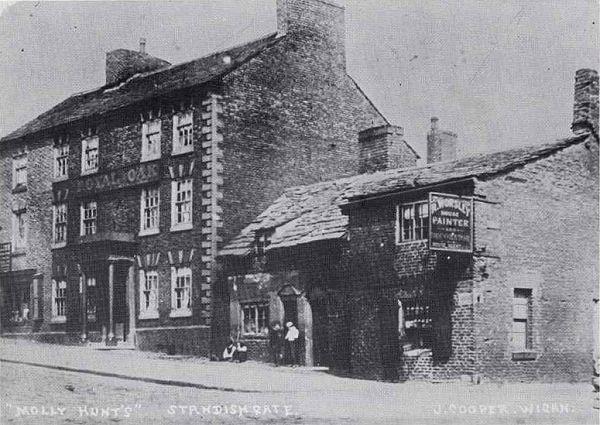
(166, 388)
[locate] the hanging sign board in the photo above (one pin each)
(450, 222)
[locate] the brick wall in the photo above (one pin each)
(38, 202)
(546, 237)
(530, 230)
(120, 139)
(291, 115)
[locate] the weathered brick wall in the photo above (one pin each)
(383, 270)
(291, 115)
(383, 148)
(38, 201)
(120, 140)
(545, 234)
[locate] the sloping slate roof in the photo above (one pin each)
(144, 86)
(302, 214)
(310, 213)
(367, 185)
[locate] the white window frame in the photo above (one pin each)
(19, 231)
(151, 135)
(181, 275)
(149, 283)
(62, 230)
(61, 162)
(87, 145)
(146, 207)
(256, 307)
(179, 189)
(183, 133)
(92, 217)
(20, 171)
(59, 292)
(424, 229)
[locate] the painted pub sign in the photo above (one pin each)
(450, 222)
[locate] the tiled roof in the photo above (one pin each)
(310, 213)
(144, 86)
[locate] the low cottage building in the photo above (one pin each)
(483, 267)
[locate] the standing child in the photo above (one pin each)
(291, 343)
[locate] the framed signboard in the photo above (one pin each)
(450, 222)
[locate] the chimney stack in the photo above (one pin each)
(317, 26)
(122, 63)
(441, 145)
(383, 148)
(585, 108)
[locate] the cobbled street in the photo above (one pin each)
(47, 395)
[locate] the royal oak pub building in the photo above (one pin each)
(115, 201)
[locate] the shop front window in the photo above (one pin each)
(255, 319)
(414, 323)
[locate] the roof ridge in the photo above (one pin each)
(69, 109)
(215, 53)
(353, 177)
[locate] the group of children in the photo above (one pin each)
(235, 352)
(284, 348)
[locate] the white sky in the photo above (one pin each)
(499, 73)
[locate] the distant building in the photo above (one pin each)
(483, 267)
(132, 188)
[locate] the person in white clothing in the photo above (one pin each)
(229, 351)
(291, 343)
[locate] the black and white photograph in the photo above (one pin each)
(299, 212)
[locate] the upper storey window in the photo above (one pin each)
(412, 222)
(89, 155)
(183, 133)
(19, 231)
(181, 204)
(89, 216)
(61, 161)
(20, 172)
(151, 140)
